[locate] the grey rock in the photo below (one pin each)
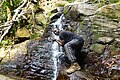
(105, 40)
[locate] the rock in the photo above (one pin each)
(112, 47)
(22, 33)
(55, 16)
(81, 75)
(81, 0)
(98, 48)
(111, 11)
(49, 5)
(71, 12)
(61, 3)
(105, 40)
(2, 77)
(115, 53)
(78, 9)
(41, 19)
(14, 52)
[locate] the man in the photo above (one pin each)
(72, 44)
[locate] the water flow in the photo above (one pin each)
(58, 24)
(56, 49)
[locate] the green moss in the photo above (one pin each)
(70, 1)
(61, 3)
(111, 11)
(97, 35)
(98, 48)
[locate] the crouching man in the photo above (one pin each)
(72, 44)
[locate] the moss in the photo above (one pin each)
(111, 11)
(61, 3)
(97, 35)
(70, 1)
(98, 48)
(42, 19)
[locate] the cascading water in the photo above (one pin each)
(56, 49)
(58, 24)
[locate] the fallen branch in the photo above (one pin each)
(18, 13)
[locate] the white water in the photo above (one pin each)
(56, 53)
(58, 24)
(56, 49)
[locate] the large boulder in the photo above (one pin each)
(12, 58)
(77, 10)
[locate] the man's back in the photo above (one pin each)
(68, 36)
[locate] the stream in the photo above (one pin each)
(56, 49)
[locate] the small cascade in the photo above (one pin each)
(59, 23)
(56, 49)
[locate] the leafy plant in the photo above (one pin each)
(11, 4)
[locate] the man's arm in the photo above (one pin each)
(60, 42)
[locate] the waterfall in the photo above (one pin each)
(56, 49)
(58, 24)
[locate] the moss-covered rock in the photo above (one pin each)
(98, 48)
(61, 3)
(111, 11)
(71, 11)
(41, 19)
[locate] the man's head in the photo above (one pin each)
(56, 28)
(56, 31)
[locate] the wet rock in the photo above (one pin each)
(55, 16)
(105, 40)
(13, 61)
(39, 62)
(98, 48)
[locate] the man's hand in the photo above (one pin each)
(60, 42)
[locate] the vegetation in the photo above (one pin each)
(61, 3)
(9, 10)
(8, 6)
